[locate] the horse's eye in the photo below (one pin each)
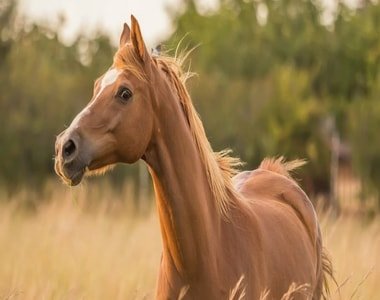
(124, 93)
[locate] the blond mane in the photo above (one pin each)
(220, 166)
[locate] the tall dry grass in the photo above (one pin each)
(88, 243)
(74, 246)
(354, 246)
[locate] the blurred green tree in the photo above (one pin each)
(274, 74)
(44, 83)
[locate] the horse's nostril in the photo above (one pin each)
(69, 148)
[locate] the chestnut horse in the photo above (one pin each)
(216, 226)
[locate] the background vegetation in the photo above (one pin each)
(276, 78)
(283, 80)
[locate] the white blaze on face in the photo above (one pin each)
(109, 78)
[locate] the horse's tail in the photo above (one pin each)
(327, 272)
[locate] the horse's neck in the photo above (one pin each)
(187, 211)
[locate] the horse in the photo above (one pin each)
(219, 227)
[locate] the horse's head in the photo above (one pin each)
(117, 124)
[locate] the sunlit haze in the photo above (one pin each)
(88, 16)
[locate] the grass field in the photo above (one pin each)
(86, 243)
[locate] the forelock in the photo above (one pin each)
(126, 59)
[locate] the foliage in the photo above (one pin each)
(43, 83)
(272, 74)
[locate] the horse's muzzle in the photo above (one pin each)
(70, 159)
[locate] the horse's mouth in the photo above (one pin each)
(70, 176)
(73, 176)
(76, 178)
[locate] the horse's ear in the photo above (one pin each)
(137, 41)
(125, 35)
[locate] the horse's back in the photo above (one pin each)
(290, 239)
(266, 186)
